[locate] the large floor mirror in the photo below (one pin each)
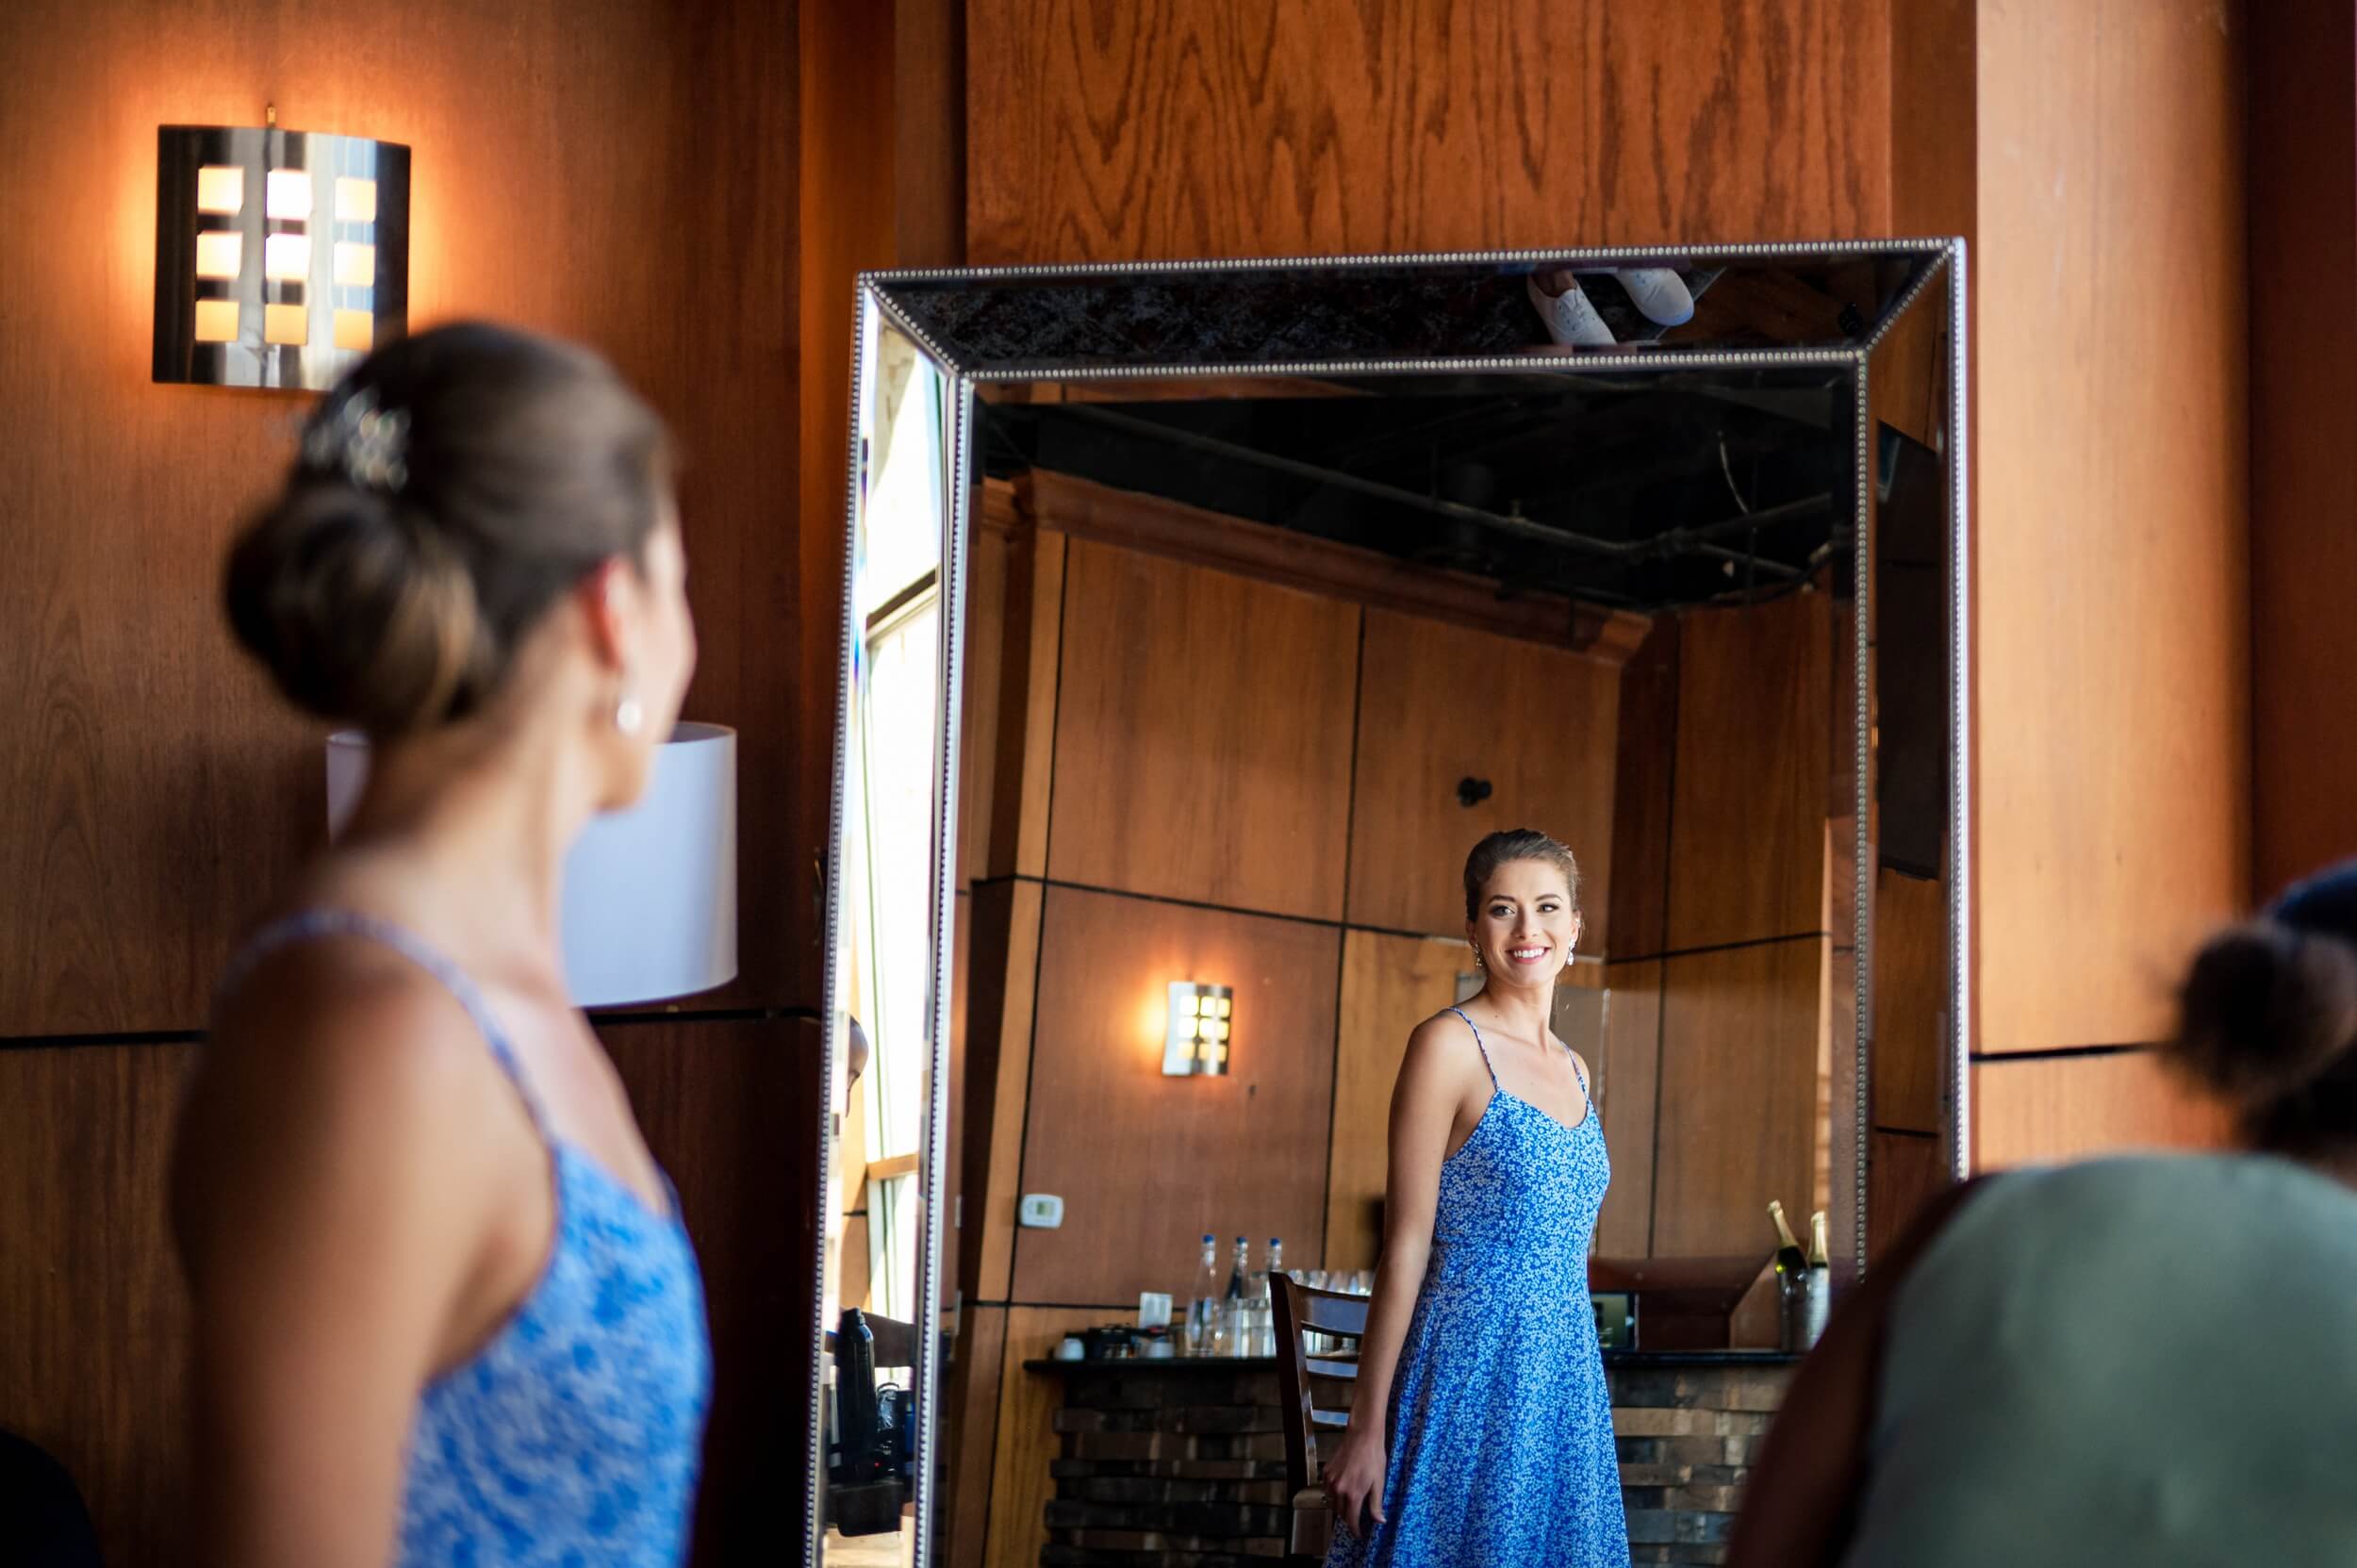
(1199, 619)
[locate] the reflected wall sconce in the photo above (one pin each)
(649, 894)
(281, 257)
(1195, 1043)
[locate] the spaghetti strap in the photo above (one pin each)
(1478, 1045)
(310, 924)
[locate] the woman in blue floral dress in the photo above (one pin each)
(1482, 1432)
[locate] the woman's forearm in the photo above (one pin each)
(1396, 1281)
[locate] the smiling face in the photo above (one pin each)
(1526, 926)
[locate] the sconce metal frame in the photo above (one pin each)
(281, 257)
(1196, 1040)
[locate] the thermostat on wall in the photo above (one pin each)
(1040, 1211)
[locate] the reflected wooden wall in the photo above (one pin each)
(1184, 774)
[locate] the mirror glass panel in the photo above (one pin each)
(885, 955)
(1272, 589)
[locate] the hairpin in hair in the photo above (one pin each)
(369, 444)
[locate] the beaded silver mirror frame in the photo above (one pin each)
(895, 302)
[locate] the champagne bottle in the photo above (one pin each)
(1818, 1256)
(1791, 1260)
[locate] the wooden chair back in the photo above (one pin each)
(1315, 1391)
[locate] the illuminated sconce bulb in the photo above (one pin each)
(221, 189)
(220, 252)
(287, 258)
(289, 194)
(216, 321)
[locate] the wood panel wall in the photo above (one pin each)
(1742, 970)
(2112, 620)
(1388, 985)
(94, 1344)
(2112, 617)
(1147, 1164)
(2302, 174)
(1203, 737)
(1172, 128)
(1441, 704)
(624, 172)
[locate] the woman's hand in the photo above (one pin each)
(1354, 1479)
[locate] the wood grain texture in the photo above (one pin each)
(970, 1432)
(1747, 823)
(94, 1350)
(2302, 163)
(1738, 1124)
(2111, 656)
(1021, 1483)
(1227, 128)
(1202, 736)
(1441, 704)
(994, 558)
(161, 788)
(1006, 950)
(1147, 1163)
(1628, 1095)
(1905, 1172)
(730, 1110)
(1644, 762)
(1389, 986)
(2071, 1107)
(1020, 845)
(1910, 992)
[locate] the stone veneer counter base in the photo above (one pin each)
(1182, 1463)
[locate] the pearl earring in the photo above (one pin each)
(629, 716)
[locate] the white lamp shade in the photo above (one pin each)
(650, 896)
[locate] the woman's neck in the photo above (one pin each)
(1528, 1011)
(475, 827)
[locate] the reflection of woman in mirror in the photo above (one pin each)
(445, 1309)
(2148, 1359)
(1481, 1431)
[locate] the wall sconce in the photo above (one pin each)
(649, 909)
(281, 257)
(1195, 1041)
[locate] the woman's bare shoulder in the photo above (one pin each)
(1444, 1046)
(334, 1060)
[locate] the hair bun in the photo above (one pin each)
(2266, 1010)
(362, 614)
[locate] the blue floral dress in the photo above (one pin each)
(1501, 1426)
(570, 1440)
